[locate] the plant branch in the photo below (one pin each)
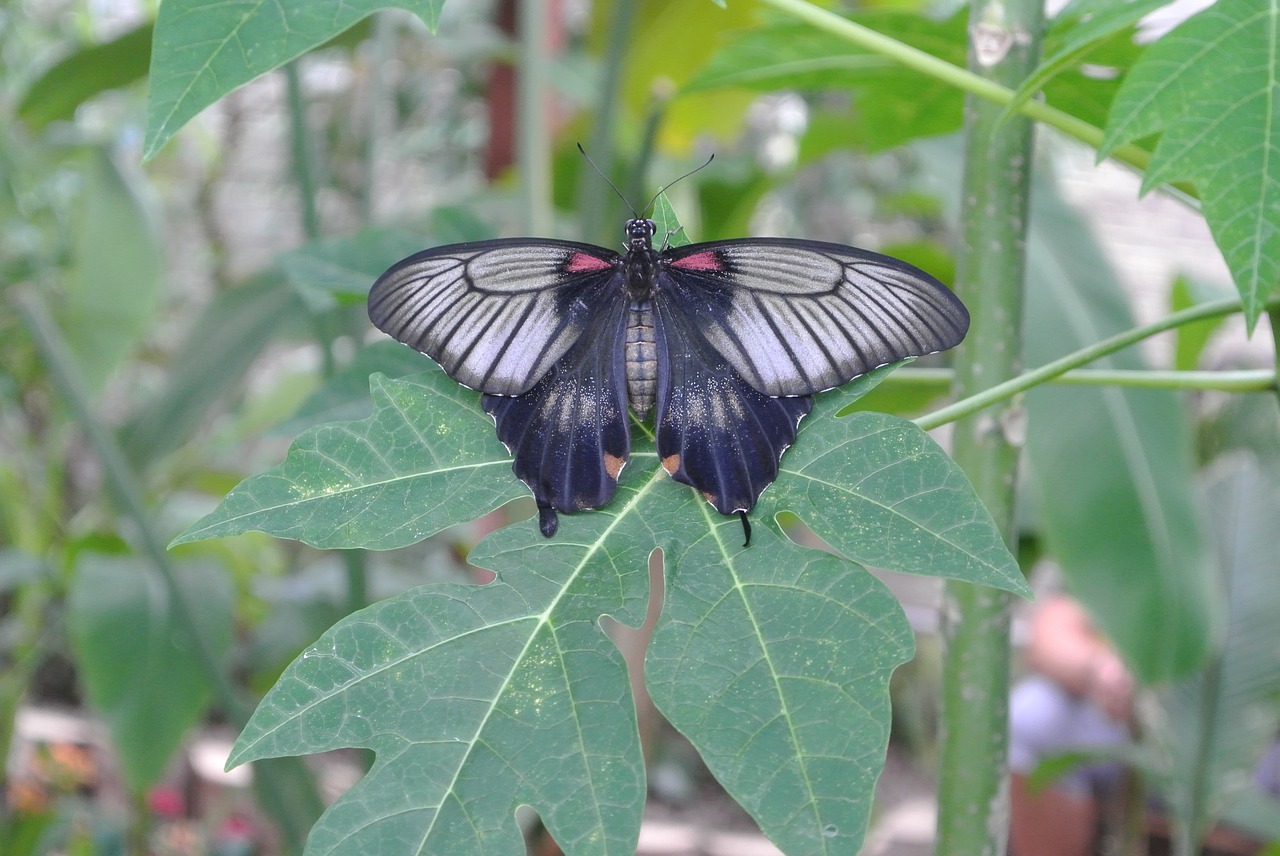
(1243, 380)
(532, 125)
(1049, 371)
(962, 79)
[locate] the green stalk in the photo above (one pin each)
(126, 488)
(969, 81)
(533, 129)
(990, 268)
(596, 203)
(1243, 380)
(1051, 370)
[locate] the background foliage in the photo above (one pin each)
(167, 329)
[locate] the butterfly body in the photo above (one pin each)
(723, 342)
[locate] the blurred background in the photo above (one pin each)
(167, 328)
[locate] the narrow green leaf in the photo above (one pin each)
(1210, 88)
(1111, 468)
(1222, 720)
(86, 72)
(1192, 338)
(202, 51)
(131, 653)
(113, 283)
(337, 270)
(224, 342)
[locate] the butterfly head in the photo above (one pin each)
(640, 234)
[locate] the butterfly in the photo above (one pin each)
(725, 342)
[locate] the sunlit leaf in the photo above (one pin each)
(1210, 89)
(202, 51)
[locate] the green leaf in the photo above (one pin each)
(478, 699)
(892, 103)
(670, 232)
(1210, 88)
(224, 342)
(1192, 338)
(113, 283)
(1111, 468)
(133, 656)
(425, 460)
(345, 395)
(335, 270)
(753, 653)
(86, 72)
(202, 50)
(1221, 721)
(1075, 34)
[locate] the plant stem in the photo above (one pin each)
(533, 129)
(595, 205)
(1243, 380)
(964, 80)
(303, 800)
(990, 266)
(1007, 389)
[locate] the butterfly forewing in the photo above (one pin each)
(797, 317)
(496, 315)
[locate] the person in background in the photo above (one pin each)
(1079, 697)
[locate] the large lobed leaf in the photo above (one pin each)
(201, 51)
(773, 659)
(1211, 89)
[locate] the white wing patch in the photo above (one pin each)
(496, 315)
(798, 317)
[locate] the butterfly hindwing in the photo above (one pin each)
(496, 315)
(796, 317)
(714, 431)
(568, 435)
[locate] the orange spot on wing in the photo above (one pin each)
(671, 463)
(613, 465)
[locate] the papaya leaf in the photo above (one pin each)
(202, 51)
(1210, 89)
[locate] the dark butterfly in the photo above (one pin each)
(726, 340)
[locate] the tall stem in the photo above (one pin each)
(533, 153)
(973, 790)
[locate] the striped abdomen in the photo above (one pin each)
(641, 357)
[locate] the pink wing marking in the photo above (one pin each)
(585, 263)
(705, 260)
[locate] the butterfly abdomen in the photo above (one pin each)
(641, 357)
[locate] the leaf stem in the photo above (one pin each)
(962, 79)
(532, 125)
(1243, 380)
(1054, 369)
(123, 483)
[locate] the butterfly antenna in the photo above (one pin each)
(662, 190)
(609, 181)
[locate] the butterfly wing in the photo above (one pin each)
(496, 315)
(568, 435)
(714, 431)
(796, 317)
